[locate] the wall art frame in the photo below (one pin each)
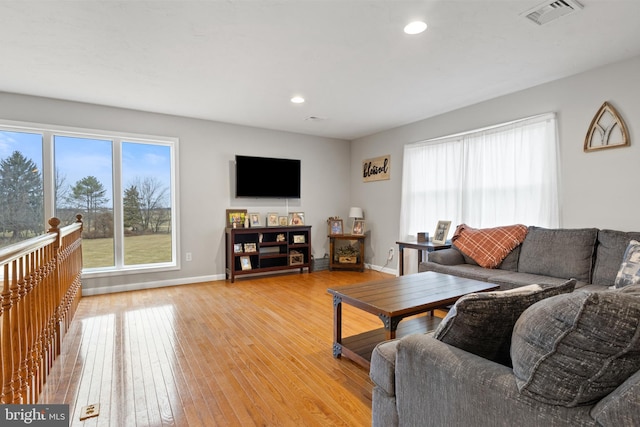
(607, 130)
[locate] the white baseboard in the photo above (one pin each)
(185, 281)
(382, 269)
(150, 285)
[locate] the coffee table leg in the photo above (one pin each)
(337, 326)
(390, 325)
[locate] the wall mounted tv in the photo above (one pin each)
(267, 177)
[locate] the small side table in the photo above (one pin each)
(359, 264)
(420, 246)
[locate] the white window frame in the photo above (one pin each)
(49, 131)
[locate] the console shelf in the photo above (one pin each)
(267, 249)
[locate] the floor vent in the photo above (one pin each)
(550, 11)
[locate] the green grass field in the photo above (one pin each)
(147, 249)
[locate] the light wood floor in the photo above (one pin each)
(256, 352)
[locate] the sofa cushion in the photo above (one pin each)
(464, 270)
(629, 272)
(488, 246)
(622, 406)
(564, 253)
(482, 323)
(511, 280)
(609, 254)
(574, 349)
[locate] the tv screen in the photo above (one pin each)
(267, 177)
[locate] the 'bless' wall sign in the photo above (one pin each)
(377, 169)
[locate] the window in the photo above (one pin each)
(123, 185)
(505, 174)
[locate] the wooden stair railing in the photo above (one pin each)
(39, 294)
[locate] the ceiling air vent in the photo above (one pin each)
(551, 10)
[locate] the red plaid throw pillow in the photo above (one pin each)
(488, 246)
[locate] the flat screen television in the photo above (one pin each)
(267, 177)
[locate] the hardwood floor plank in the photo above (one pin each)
(257, 352)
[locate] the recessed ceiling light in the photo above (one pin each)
(415, 27)
(297, 100)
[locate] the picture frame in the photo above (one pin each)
(296, 258)
(272, 219)
(358, 227)
(235, 218)
(249, 247)
(299, 238)
(245, 262)
(237, 248)
(283, 221)
(296, 218)
(442, 231)
(254, 220)
(335, 227)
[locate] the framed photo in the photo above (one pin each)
(237, 248)
(296, 218)
(335, 227)
(299, 238)
(254, 220)
(272, 219)
(358, 227)
(236, 217)
(282, 220)
(442, 231)
(296, 259)
(245, 262)
(249, 247)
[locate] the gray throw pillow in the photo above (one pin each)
(629, 273)
(482, 323)
(574, 349)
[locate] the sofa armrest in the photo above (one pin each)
(446, 257)
(448, 386)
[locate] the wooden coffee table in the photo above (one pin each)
(392, 300)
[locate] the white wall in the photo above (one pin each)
(206, 154)
(598, 189)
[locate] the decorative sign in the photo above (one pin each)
(377, 169)
(607, 130)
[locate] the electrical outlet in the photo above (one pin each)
(89, 411)
(390, 257)
(187, 256)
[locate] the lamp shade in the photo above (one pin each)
(356, 213)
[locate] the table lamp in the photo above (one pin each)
(355, 213)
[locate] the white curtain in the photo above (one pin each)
(500, 175)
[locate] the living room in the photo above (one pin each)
(593, 186)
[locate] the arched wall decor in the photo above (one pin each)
(607, 130)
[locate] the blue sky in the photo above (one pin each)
(77, 158)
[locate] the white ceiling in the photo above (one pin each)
(240, 61)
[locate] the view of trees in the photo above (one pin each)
(21, 196)
(146, 203)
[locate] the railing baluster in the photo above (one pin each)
(6, 394)
(39, 294)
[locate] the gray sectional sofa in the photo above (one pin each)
(546, 256)
(564, 348)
